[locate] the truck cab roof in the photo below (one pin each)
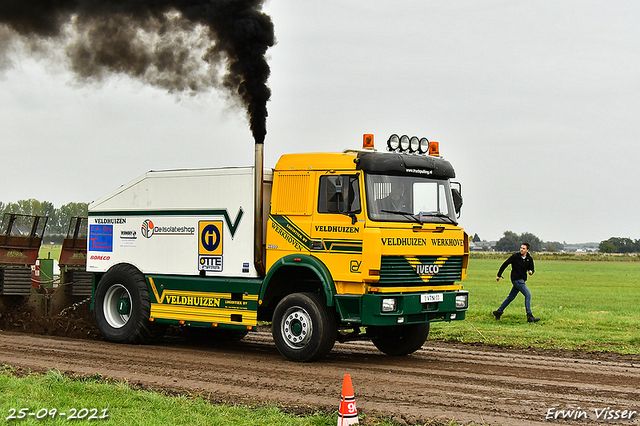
(317, 161)
(369, 161)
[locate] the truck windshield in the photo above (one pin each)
(409, 199)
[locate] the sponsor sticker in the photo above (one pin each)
(149, 229)
(128, 238)
(101, 238)
(210, 245)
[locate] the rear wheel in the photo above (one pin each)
(399, 340)
(304, 329)
(122, 307)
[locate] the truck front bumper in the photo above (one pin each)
(402, 308)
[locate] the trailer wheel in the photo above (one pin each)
(399, 340)
(122, 307)
(304, 329)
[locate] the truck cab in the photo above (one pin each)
(376, 236)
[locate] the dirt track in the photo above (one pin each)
(441, 381)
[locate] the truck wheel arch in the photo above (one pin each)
(307, 267)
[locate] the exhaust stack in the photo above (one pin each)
(258, 255)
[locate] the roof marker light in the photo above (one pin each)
(434, 148)
(393, 143)
(404, 142)
(414, 144)
(424, 146)
(367, 141)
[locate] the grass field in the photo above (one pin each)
(49, 252)
(118, 404)
(587, 305)
(582, 305)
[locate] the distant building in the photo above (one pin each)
(483, 246)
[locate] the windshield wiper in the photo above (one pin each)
(439, 214)
(405, 214)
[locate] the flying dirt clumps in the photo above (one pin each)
(75, 322)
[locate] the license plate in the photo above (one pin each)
(431, 297)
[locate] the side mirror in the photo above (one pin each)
(457, 198)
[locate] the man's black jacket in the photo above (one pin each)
(519, 266)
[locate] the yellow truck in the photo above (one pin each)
(326, 247)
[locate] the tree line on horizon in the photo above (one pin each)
(620, 245)
(512, 241)
(58, 218)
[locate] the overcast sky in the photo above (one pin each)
(536, 104)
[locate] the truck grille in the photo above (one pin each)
(419, 270)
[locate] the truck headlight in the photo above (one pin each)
(389, 305)
(462, 301)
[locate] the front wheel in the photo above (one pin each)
(399, 340)
(304, 329)
(122, 307)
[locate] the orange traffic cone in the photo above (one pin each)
(348, 414)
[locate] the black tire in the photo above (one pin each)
(122, 306)
(304, 329)
(398, 340)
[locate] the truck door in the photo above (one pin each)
(338, 227)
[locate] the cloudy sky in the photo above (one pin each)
(536, 104)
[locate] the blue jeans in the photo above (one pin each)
(519, 286)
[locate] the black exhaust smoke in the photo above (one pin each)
(180, 45)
